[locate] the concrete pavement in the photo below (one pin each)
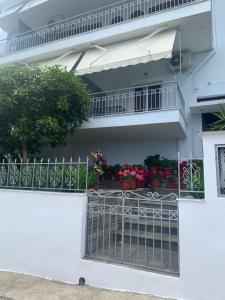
(22, 287)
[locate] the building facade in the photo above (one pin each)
(155, 68)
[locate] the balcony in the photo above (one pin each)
(146, 111)
(136, 100)
(104, 17)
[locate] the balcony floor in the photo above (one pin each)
(158, 124)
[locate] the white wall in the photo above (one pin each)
(202, 247)
(43, 234)
(123, 152)
(209, 80)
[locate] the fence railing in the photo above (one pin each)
(191, 177)
(100, 18)
(47, 175)
(139, 99)
(134, 229)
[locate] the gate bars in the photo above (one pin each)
(134, 229)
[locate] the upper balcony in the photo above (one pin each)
(155, 109)
(96, 20)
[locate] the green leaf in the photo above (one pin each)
(40, 107)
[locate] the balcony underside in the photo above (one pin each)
(208, 106)
(158, 124)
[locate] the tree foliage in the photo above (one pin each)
(219, 125)
(39, 107)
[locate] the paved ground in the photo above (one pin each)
(20, 287)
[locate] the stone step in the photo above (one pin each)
(149, 235)
(151, 222)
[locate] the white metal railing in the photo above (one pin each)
(135, 229)
(48, 175)
(191, 177)
(139, 99)
(100, 18)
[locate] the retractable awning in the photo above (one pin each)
(122, 54)
(8, 7)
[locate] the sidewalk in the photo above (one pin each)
(21, 287)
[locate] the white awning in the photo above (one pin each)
(9, 11)
(33, 3)
(17, 6)
(122, 54)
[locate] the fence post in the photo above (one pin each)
(191, 169)
(87, 166)
(179, 173)
(123, 224)
(78, 178)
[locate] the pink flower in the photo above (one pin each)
(125, 172)
(133, 173)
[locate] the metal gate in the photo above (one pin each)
(134, 229)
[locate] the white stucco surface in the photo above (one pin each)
(44, 234)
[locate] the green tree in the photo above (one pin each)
(39, 107)
(219, 125)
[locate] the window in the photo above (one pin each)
(148, 98)
(207, 120)
(220, 154)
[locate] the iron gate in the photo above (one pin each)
(134, 229)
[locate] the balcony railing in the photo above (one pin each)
(103, 17)
(157, 97)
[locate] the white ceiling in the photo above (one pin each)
(140, 132)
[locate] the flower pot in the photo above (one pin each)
(140, 184)
(133, 185)
(155, 182)
(173, 186)
(125, 185)
(153, 171)
(167, 172)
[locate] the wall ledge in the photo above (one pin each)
(41, 192)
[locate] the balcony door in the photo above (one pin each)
(154, 97)
(148, 98)
(140, 99)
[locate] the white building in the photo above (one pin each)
(155, 68)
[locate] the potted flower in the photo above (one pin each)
(140, 181)
(153, 163)
(155, 181)
(173, 184)
(140, 176)
(133, 184)
(127, 179)
(167, 167)
(98, 162)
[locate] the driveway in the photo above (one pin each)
(21, 287)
